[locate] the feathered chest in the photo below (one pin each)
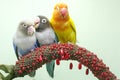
(45, 37)
(25, 42)
(61, 26)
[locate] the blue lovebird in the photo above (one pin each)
(24, 40)
(45, 36)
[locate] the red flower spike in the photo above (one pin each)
(71, 48)
(30, 71)
(87, 71)
(80, 66)
(61, 51)
(45, 58)
(81, 59)
(33, 64)
(53, 57)
(66, 56)
(57, 61)
(36, 60)
(40, 58)
(19, 71)
(17, 62)
(23, 68)
(28, 67)
(62, 57)
(36, 49)
(28, 56)
(94, 59)
(84, 50)
(89, 54)
(78, 53)
(96, 68)
(70, 66)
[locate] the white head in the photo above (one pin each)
(27, 27)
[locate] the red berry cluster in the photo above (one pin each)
(45, 54)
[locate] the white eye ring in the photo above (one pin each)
(57, 8)
(44, 20)
(24, 25)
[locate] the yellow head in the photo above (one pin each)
(60, 12)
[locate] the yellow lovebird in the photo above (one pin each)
(62, 24)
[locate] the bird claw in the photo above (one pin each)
(31, 50)
(67, 42)
(70, 42)
(59, 42)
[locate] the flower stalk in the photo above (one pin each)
(40, 56)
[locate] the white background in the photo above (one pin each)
(98, 29)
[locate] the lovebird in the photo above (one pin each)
(63, 24)
(24, 40)
(46, 36)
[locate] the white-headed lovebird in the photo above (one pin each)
(24, 40)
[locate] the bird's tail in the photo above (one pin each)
(50, 68)
(32, 74)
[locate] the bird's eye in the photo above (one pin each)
(57, 8)
(44, 20)
(24, 25)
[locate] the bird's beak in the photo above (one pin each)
(31, 30)
(36, 22)
(63, 12)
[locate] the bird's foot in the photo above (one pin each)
(69, 42)
(59, 42)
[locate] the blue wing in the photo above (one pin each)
(16, 50)
(37, 43)
(23, 52)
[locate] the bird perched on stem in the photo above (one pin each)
(45, 36)
(24, 40)
(63, 25)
